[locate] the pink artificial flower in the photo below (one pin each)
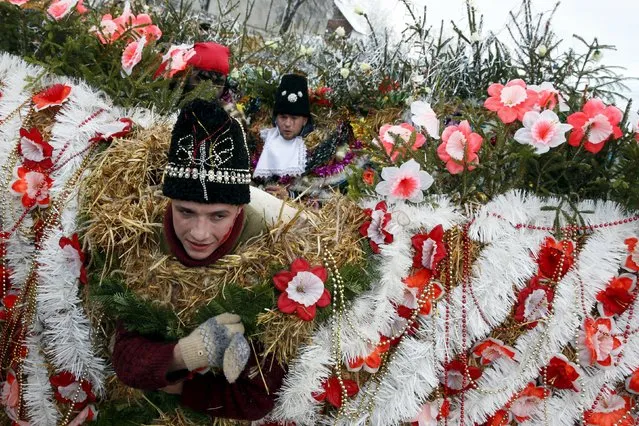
(595, 124)
(542, 131)
(632, 260)
(10, 396)
(424, 116)
(547, 97)
(429, 248)
(35, 151)
(511, 101)
(112, 29)
(132, 55)
(143, 26)
(404, 183)
(618, 295)
(81, 8)
(459, 148)
(74, 256)
(491, 349)
(18, 2)
(33, 186)
(378, 228)
(108, 32)
(432, 413)
(562, 374)
(528, 401)
(597, 342)
(52, 96)
(403, 132)
(88, 414)
(302, 288)
(61, 8)
(610, 410)
(175, 60)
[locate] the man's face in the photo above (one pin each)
(202, 228)
(290, 125)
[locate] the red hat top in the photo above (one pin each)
(211, 56)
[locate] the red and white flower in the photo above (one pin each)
(371, 362)
(491, 349)
(595, 124)
(52, 96)
(424, 116)
(555, 258)
(35, 151)
(459, 148)
(632, 261)
(562, 374)
(420, 284)
(597, 343)
(389, 134)
(500, 418)
(88, 414)
(511, 101)
(548, 97)
(542, 131)
(534, 303)
(302, 288)
(429, 248)
(132, 55)
(116, 129)
(175, 60)
(332, 391)
(432, 413)
(112, 29)
(617, 296)
(632, 382)
(378, 229)
(404, 183)
(67, 389)
(611, 410)
(459, 376)
(74, 256)
(33, 186)
(529, 400)
(10, 398)
(61, 8)
(8, 302)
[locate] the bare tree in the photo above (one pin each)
(289, 14)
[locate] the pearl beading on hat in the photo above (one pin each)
(231, 176)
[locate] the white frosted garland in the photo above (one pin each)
(38, 395)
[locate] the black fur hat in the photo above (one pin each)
(208, 157)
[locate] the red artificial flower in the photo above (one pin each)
(500, 418)
(302, 288)
(418, 283)
(459, 377)
(562, 374)
(34, 150)
(333, 391)
(368, 176)
(377, 229)
(551, 254)
(319, 96)
(390, 135)
(115, 129)
(632, 261)
(88, 414)
(617, 296)
(33, 186)
(490, 349)
(8, 302)
(432, 413)
(611, 410)
(533, 303)
(388, 85)
(429, 248)
(74, 256)
(459, 148)
(632, 382)
(55, 95)
(511, 101)
(371, 362)
(595, 124)
(527, 402)
(69, 390)
(597, 342)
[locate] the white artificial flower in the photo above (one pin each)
(427, 89)
(344, 72)
(365, 67)
(520, 72)
(306, 51)
(597, 55)
(406, 182)
(305, 288)
(542, 131)
(542, 50)
(358, 10)
(340, 31)
(424, 116)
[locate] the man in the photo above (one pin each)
(284, 152)
(210, 214)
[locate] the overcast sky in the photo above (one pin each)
(611, 21)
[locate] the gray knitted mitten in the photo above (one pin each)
(236, 356)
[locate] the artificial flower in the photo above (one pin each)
(132, 55)
(420, 284)
(88, 414)
(115, 129)
(617, 296)
(35, 151)
(511, 101)
(611, 409)
(8, 302)
(632, 382)
(562, 374)
(388, 85)
(368, 176)
(424, 116)
(597, 343)
(55, 95)
(595, 124)
(74, 257)
(432, 413)
(378, 228)
(491, 349)
(365, 67)
(533, 303)
(429, 248)
(632, 260)
(344, 72)
(404, 183)
(459, 148)
(319, 96)
(69, 390)
(112, 29)
(10, 398)
(18, 2)
(175, 60)
(404, 133)
(547, 97)
(500, 418)
(372, 361)
(542, 131)
(143, 26)
(555, 258)
(81, 8)
(529, 400)
(332, 391)
(33, 186)
(61, 8)
(458, 377)
(302, 288)
(358, 10)
(541, 50)
(340, 31)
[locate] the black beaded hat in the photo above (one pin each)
(208, 157)
(292, 96)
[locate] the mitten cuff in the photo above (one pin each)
(193, 351)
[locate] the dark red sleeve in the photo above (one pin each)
(251, 397)
(141, 362)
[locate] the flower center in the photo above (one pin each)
(513, 95)
(405, 187)
(543, 131)
(456, 146)
(305, 288)
(429, 250)
(598, 129)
